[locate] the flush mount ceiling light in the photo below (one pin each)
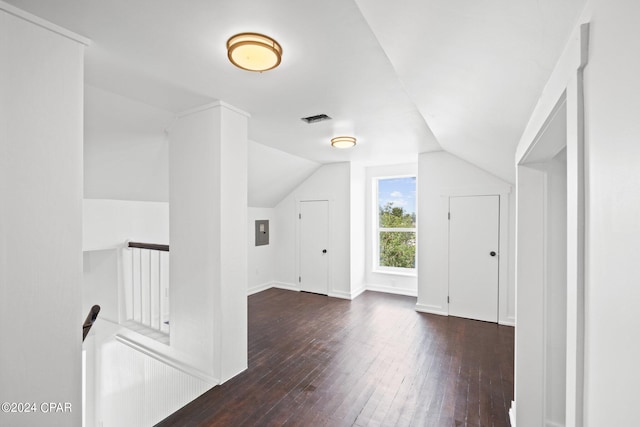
(254, 52)
(343, 141)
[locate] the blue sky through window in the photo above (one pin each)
(399, 191)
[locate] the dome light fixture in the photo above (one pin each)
(254, 52)
(343, 141)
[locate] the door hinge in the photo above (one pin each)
(448, 215)
(299, 279)
(447, 299)
(299, 216)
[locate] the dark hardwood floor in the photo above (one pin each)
(373, 361)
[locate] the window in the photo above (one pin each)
(396, 224)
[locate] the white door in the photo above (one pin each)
(474, 257)
(314, 237)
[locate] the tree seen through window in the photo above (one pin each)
(397, 222)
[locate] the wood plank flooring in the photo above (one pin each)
(373, 361)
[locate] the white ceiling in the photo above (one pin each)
(387, 72)
(474, 69)
(273, 174)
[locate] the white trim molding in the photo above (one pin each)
(163, 356)
(355, 294)
(564, 88)
(36, 20)
(487, 190)
(215, 104)
(347, 295)
(341, 295)
(432, 309)
(511, 321)
(286, 286)
(390, 290)
(512, 414)
(260, 288)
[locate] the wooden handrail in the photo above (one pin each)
(88, 322)
(152, 246)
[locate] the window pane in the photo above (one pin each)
(398, 249)
(397, 202)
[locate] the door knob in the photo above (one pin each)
(492, 253)
(324, 251)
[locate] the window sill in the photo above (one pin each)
(412, 273)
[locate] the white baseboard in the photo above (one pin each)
(431, 309)
(346, 295)
(512, 414)
(286, 286)
(337, 294)
(357, 293)
(340, 294)
(260, 288)
(292, 287)
(509, 322)
(390, 290)
(552, 424)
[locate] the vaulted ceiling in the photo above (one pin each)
(404, 77)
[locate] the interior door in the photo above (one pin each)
(314, 238)
(474, 257)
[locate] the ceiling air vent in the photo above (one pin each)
(316, 118)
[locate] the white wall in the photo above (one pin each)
(550, 215)
(612, 228)
(40, 219)
(358, 228)
(612, 107)
(441, 175)
(393, 283)
(100, 282)
(129, 387)
(126, 150)
(126, 154)
(261, 259)
(330, 182)
(109, 223)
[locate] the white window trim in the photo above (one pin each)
(377, 268)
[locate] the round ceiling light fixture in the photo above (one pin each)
(254, 52)
(343, 141)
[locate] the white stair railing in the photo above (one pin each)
(147, 290)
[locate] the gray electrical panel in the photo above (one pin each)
(262, 232)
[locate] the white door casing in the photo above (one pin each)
(314, 238)
(474, 228)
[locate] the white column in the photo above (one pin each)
(41, 115)
(208, 235)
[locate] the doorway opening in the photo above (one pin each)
(542, 267)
